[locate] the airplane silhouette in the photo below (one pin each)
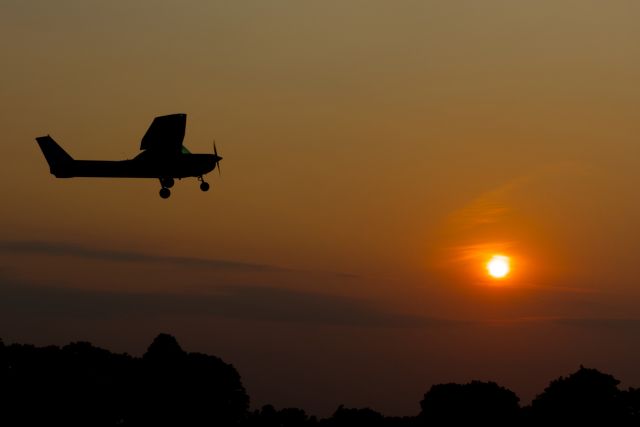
(163, 157)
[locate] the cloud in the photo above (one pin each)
(66, 249)
(622, 323)
(601, 322)
(498, 204)
(479, 251)
(490, 207)
(24, 300)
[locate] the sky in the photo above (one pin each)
(376, 155)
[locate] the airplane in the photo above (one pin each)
(163, 157)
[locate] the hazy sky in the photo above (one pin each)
(376, 153)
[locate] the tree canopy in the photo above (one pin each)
(80, 385)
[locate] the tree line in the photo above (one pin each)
(83, 385)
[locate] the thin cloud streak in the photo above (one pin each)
(623, 323)
(66, 249)
(463, 253)
(23, 300)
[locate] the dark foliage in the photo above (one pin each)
(82, 385)
(586, 397)
(484, 403)
(347, 417)
(268, 416)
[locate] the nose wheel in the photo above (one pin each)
(204, 186)
(165, 193)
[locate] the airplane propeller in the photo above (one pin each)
(218, 158)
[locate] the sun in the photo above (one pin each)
(498, 266)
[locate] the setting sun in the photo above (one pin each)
(498, 266)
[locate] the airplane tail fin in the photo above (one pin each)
(58, 159)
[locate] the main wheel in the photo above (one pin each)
(204, 186)
(165, 193)
(167, 182)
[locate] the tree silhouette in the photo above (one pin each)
(482, 403)
(77, 385)
(268, 416)
(347, 417)
(82, 385)
(164, 350)
(631, 402)
(586, 396)
(179, 388)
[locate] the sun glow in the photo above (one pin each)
(498, 266)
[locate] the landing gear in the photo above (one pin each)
(165, 193)
(167, 182)
(204, 186)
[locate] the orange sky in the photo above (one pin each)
(375, 154)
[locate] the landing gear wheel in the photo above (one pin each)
(165, 193)
(204, 186)
(167, 182)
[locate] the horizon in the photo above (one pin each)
(165, 345)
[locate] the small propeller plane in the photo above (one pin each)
(163, 157)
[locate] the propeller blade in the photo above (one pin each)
(215, 153)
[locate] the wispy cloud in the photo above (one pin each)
(67, 249)
(22, 300)
(498, 204)
(25, 300)
(488, 208)
(473, 252)
(622, 323)
(600, 322)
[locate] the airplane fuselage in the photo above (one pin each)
(181, 166)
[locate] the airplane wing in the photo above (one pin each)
(165, 134)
